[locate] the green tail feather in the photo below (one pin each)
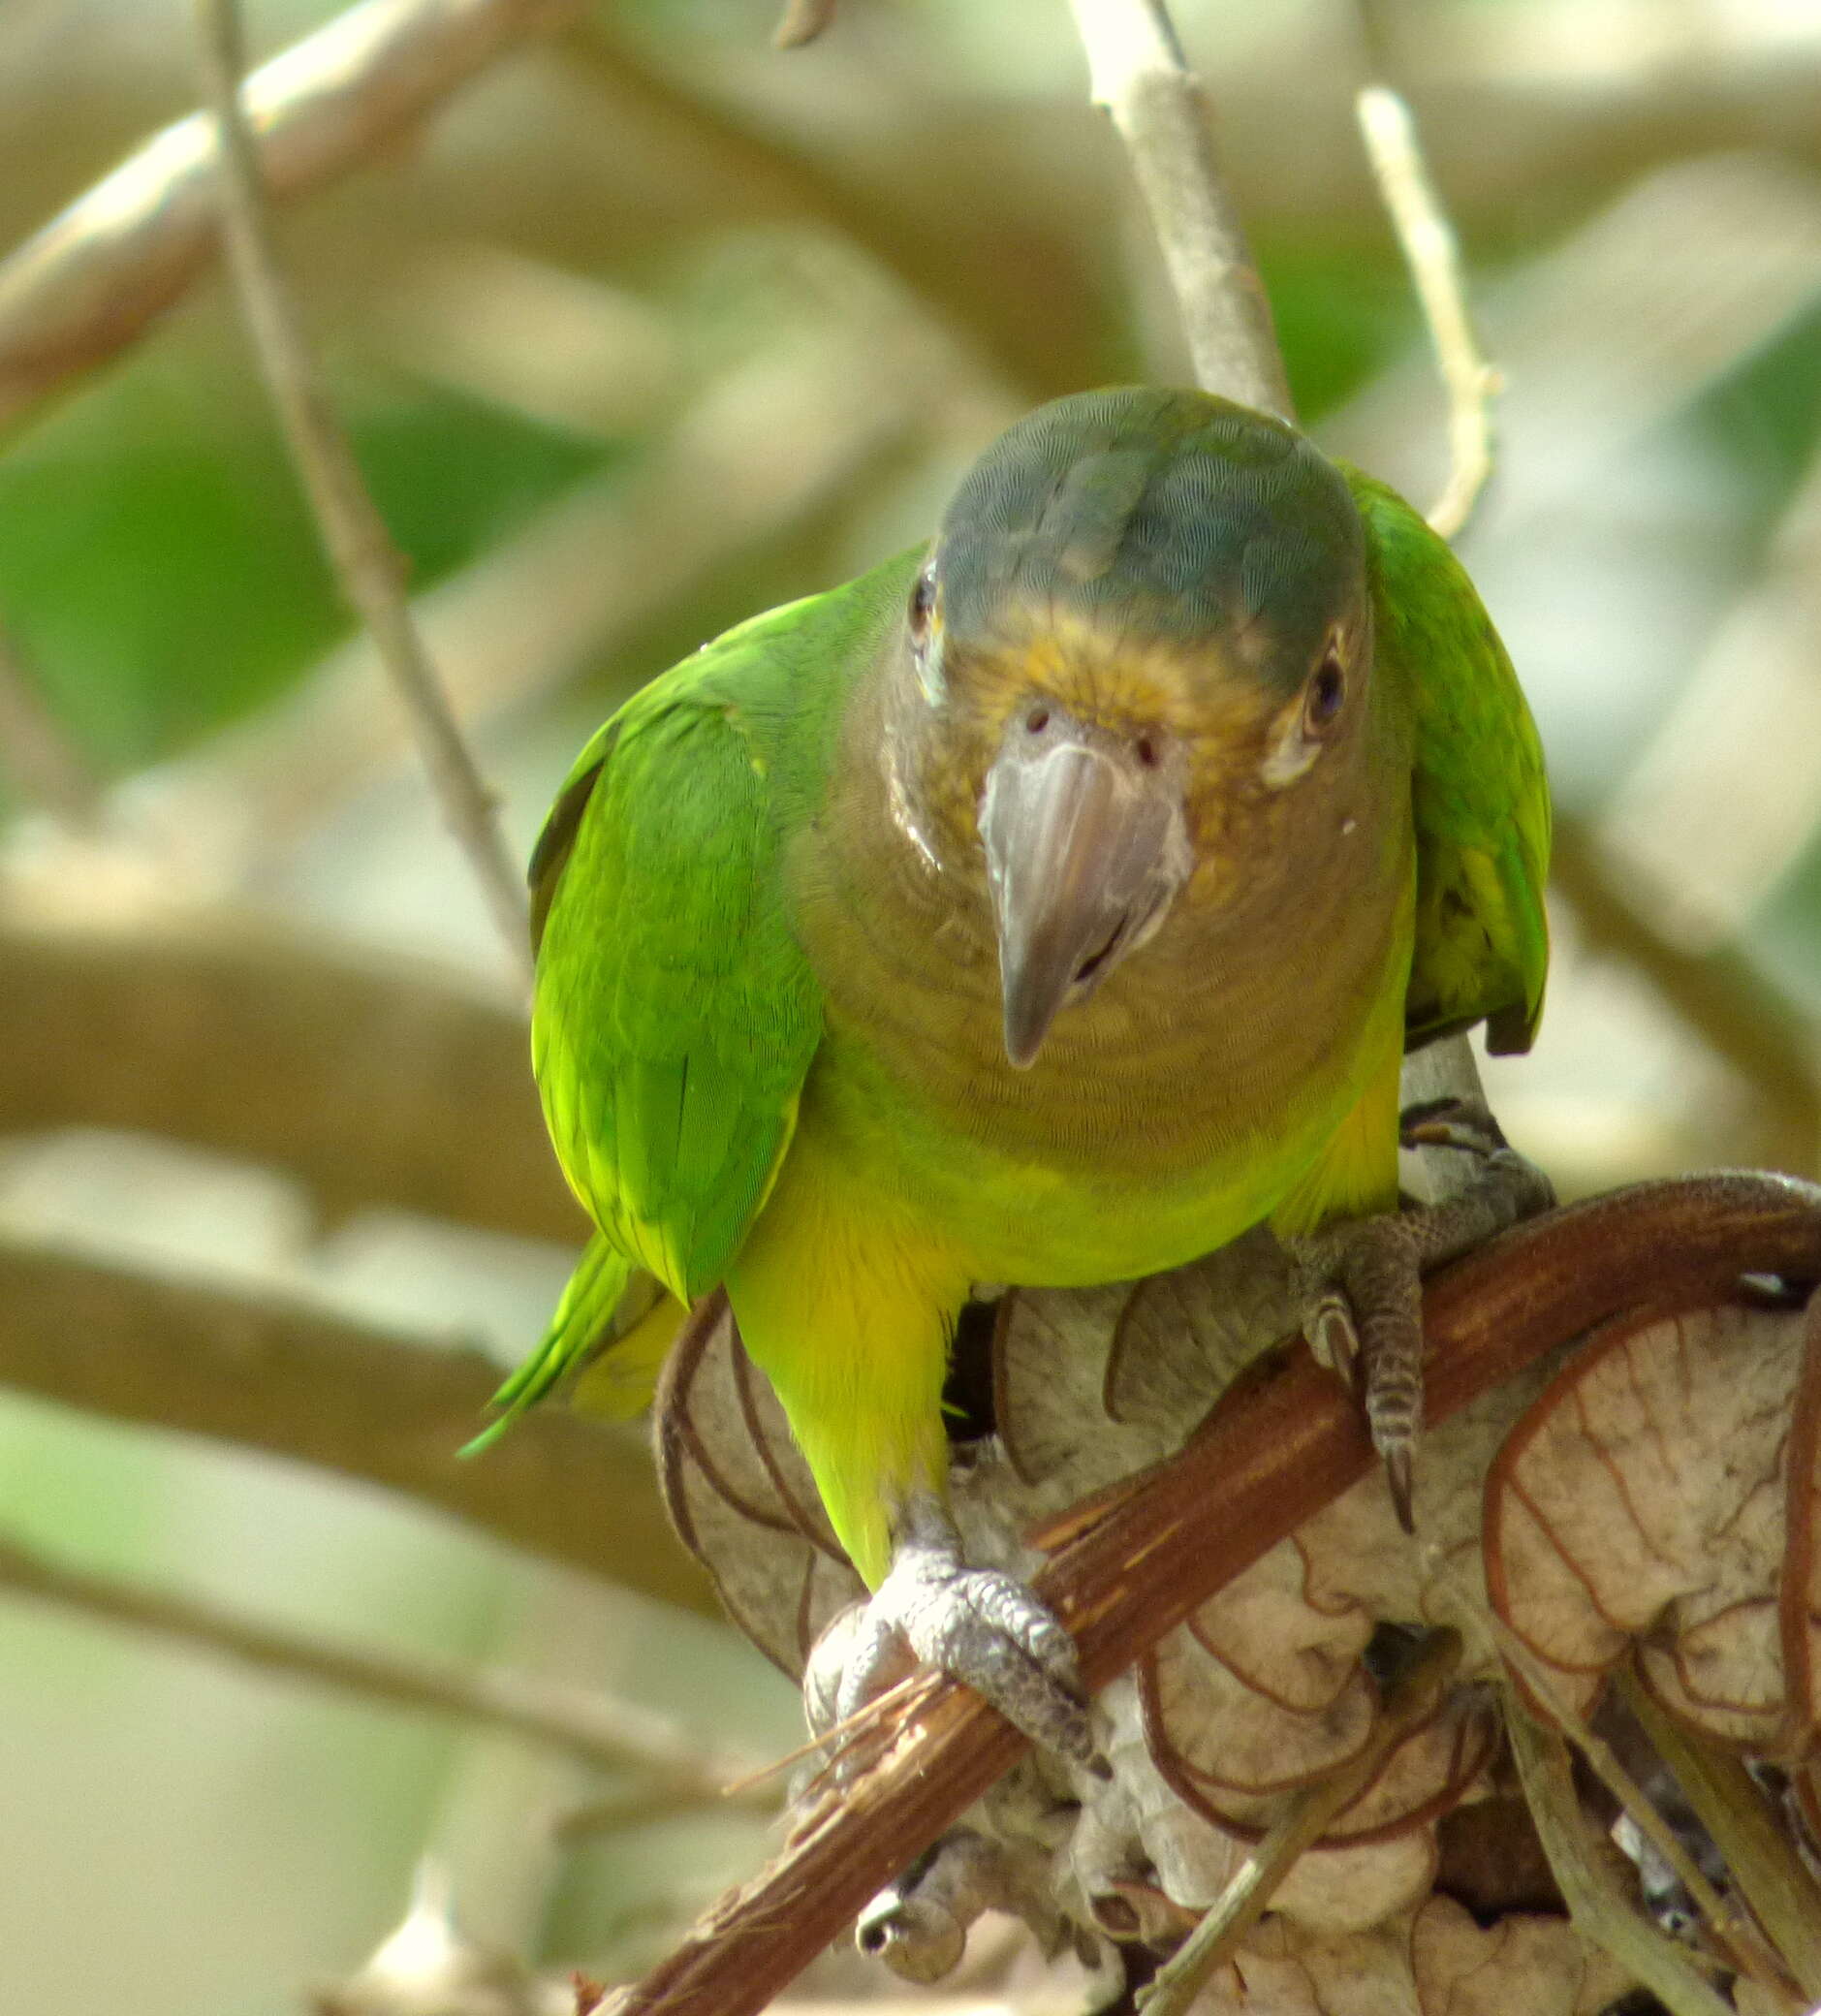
(582, 1326)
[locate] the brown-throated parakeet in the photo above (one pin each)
(1048, 907)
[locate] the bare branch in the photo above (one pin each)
(609, 1735)
(392, 1085)
(369, 567)
(1433, 254)
(1132, 1564)
(300, 1382)
(1136, 73)
(90, 281)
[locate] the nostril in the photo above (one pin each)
(1147, 749)
(1037, 720)
(1093, 963)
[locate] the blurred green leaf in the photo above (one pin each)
(1343, 312)
(160, 574)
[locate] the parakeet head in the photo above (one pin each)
(1141, 632)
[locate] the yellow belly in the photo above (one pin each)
(848, 1286)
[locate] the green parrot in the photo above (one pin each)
(1048, 907)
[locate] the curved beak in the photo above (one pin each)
(1087, 844)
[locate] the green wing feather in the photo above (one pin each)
(1481, 796)
(676, 1017)
(590, 1314)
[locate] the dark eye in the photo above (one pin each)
(1326, 691)
(923, 602)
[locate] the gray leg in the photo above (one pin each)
(1360, 1286)
(977, 1625)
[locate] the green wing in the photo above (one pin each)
(674, 1017)
(1481, 798)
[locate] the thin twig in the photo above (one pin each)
(368, 566)
(860, 1726)
(1433, 253)
(1600, 1908)
(1761, 1858)
(1736, 1939)
(609, 1735)
(1413, 1699)
(88, 284)
(1137, 74)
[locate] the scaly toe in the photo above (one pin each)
(979, 1626)
(987, 1628)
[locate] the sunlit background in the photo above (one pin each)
(646, 330)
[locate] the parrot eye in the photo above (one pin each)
(1326, 692)
(922, 603)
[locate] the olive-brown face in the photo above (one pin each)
(1140, 634)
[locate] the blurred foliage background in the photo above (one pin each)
(647, 328)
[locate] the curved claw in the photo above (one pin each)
(1329, 1332)
(1400, 1478)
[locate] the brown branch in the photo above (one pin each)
(612, 1736)
(1132, 1564)
(381, 1084)
(89, 283)
(368, 567)
(299, 1382)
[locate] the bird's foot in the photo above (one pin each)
(1360, 1284)
(977, 1624)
